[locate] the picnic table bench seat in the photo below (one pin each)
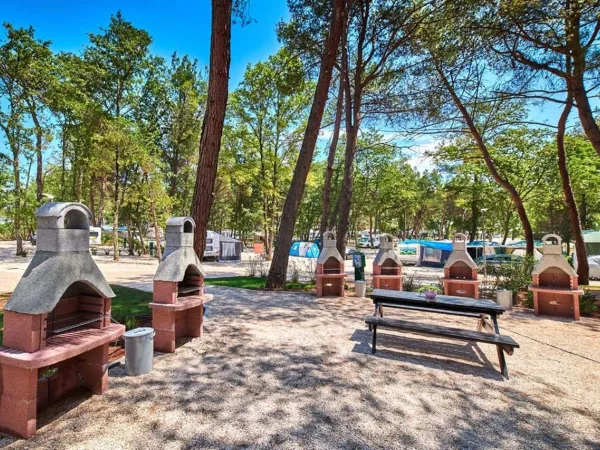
(503, 343)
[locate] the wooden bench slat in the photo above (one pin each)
(438, 330)
(434, 310)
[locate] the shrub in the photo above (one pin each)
(528, 302)
(131, 322)
(310, 268)
(588, 303)
(513, 277)
(256, 267)
(411, 283)
(294, 272)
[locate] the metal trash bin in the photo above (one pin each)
(139, 351)
(504, 298)
(360, 288)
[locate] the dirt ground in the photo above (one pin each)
(288, 370)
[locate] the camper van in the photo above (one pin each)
(211, 249)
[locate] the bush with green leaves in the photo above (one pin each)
(588, 303)
(411, 283)
(514, 277)
(294, 272)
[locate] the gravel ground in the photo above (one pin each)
(288, 370)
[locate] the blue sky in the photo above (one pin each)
(175, 25)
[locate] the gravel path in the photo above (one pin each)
(288, 370)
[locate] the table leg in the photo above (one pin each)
(495, 320)
(374, 346)
(480, 322)
(501, 358)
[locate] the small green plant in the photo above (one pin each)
(48, 373)
(513, 277)
(588, 303)
(310, 270)
(252, 266)
(263, 269)
(411, 283)
(528, 301)
(294, 272)
(131, 322)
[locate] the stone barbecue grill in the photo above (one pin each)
(57, 324)
(178, 298)
(387, 267)
(460, 271)
(555, 284)
(330, 271)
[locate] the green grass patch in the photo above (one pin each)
(130, 304)
(257, 283)
(238, 282)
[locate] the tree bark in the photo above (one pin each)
(347, 189)
(17, 217)
(156, 229)
(101, 202)
(39, 136)
(331, 158)
(278, 269)
(214, 118)
(582, 262)
(489, 162)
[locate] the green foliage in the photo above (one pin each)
(588, 303)
(513, 277)
(411, 283)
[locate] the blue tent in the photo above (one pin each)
(304, 249)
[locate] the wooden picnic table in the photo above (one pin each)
(443, 304)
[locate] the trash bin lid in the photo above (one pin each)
(138, 333)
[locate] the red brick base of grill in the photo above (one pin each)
(177, 320)
(81, 360)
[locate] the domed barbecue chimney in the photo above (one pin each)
(387, 267)
(330, 269)
(555, 284)
(460, 271)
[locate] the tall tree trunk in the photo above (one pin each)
(331, 158)
(39, 138)
(345, 199)
(586, 116)
(278, 270)
(93, 201)
(39, 174)
(17, 216)
(506, 226)
(353, 102)
(129, 234)
(489, 162)
(117, 207)
(584, 211)
(63, 148)
(141, 236)
(212, 126)
(101, 202)
(156, 229)
(582, 262)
